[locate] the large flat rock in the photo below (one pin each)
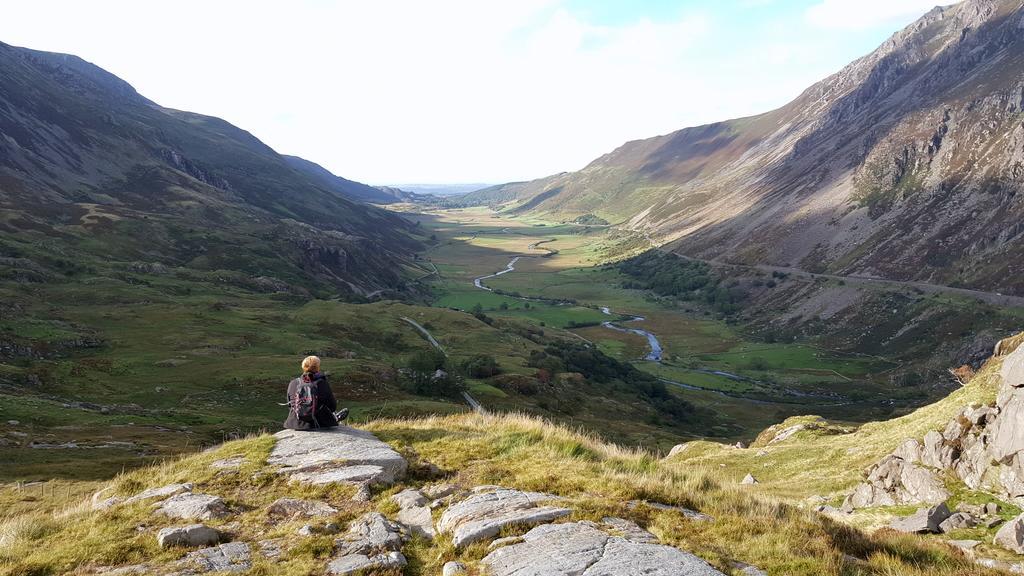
(581, 549)
(484, 514)
(336, 455)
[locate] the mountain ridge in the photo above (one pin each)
(78, 143)
(829, 181)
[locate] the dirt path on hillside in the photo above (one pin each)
(476, 406)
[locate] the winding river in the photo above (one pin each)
(656, 350)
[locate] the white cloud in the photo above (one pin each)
(863, 14)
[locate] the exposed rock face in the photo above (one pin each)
(191, 506)
(295, 508)
(360, 564)
(580, 548)
(372, 543)
(983, 446)
(629, 530)
(957, 521)
(896, 480)
(924, 520)
(454, 569)
(840, 178)
(338, 455)
(161, 492)
(192, 535)
(415, 512)
(485, 513)
(233, 557)
(1011, 535)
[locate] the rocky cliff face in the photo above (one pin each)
(983, 447)
(908, 164)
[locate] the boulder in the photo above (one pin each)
(936, 453)
(410, 498)
(965, 545)
(361, 564)
(418, 520)
(191, 506)
(336, 455)
(920, 485)
(748, 479)
(957, 521)
(974, 461)
(924, 520)
(372, 543)
(1011, 535)
(678, 449)
(786, 433)
(295, 508)
(491, 509)
(909, 451)
(1011, 476)
(232, 557)
(192, 535)
(370, 534)
(895, 480)
(454, 569)
(583, 549)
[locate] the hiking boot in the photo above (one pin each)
(341, 415)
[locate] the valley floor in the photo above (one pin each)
(550, 275)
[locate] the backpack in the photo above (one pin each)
(304, 401)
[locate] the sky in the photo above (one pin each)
(445, 91)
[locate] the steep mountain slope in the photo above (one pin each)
(103, 175)
(906, 164)
(345, 187)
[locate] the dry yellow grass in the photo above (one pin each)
(758, 525)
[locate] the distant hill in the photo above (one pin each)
(906, 164)
(347, 188)
(92, 173)
(440, 189)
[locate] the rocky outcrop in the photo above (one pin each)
(338, 455)
(983, 446)
(584, 549)
(1011, 535)
(483, 514)
(232, 557)
(189, 506)
(898, 479)
(192, 535)
(414, 512)
(295, 508)
(372, 543)
(924, 520)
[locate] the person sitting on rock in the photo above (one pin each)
(311, 403)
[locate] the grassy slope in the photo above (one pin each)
(597, 478)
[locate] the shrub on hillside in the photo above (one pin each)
(481, 366)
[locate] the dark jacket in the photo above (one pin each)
(326, 404)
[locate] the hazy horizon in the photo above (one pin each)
(460, 92)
